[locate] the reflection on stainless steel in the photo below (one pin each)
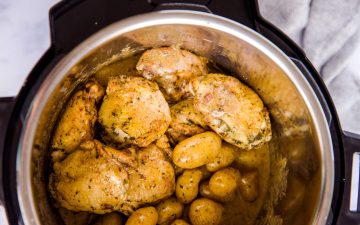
(295, 110)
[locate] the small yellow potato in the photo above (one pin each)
(180, 222)
(225, 182)
(224, 159)
(187, 185)
(113, 218)
(169, 210)
(143, 216)
(204, 211)
(197, 150)
(205, 192)
(249, 186)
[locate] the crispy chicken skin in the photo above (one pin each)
(99, 179)
(134, 111)
(232, 110)
(77, 122)
(186, 121)
(171, 68)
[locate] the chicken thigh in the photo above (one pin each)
(171, 68)
(153, 179)
(134, 111)
(232, 110)
(77, 122)
(186, 121)
(99, 179)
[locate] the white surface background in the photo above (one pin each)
(24, 37)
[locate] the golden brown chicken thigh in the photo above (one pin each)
(77, 122)
(171, 68)
(91, 179)
(153, 179)
(232, 110)
(133, 111)
(186, 121)
(99, 179)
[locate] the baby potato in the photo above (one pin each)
(143, 216)
(206, 193)
(223, 159)
(113, 218)
(169, 210)
(224, 183)
(204, 211)
(180, 222)
(197, 150)
(205, 190)
(248, 186)
(187, 185)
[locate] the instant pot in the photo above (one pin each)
(88, 34)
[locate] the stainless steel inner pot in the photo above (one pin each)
(294, 107)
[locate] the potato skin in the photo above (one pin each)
(143, 216)
(169, 210)
(187, 185)
(197, 150)
(205, 190)
(225, 182)
(223, 159)
(180, 222)
(249, 186)
(113, 218)
(204, 211)
(206, 193)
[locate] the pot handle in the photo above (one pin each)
(72, 21)
(350, 208)
(242, 11)
(6, 106)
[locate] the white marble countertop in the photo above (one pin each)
(24, 37)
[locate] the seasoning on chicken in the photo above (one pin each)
(77, 122)
(99, 179)
(134, 111)
(232, 110)
(171, 68)
(186, 121)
